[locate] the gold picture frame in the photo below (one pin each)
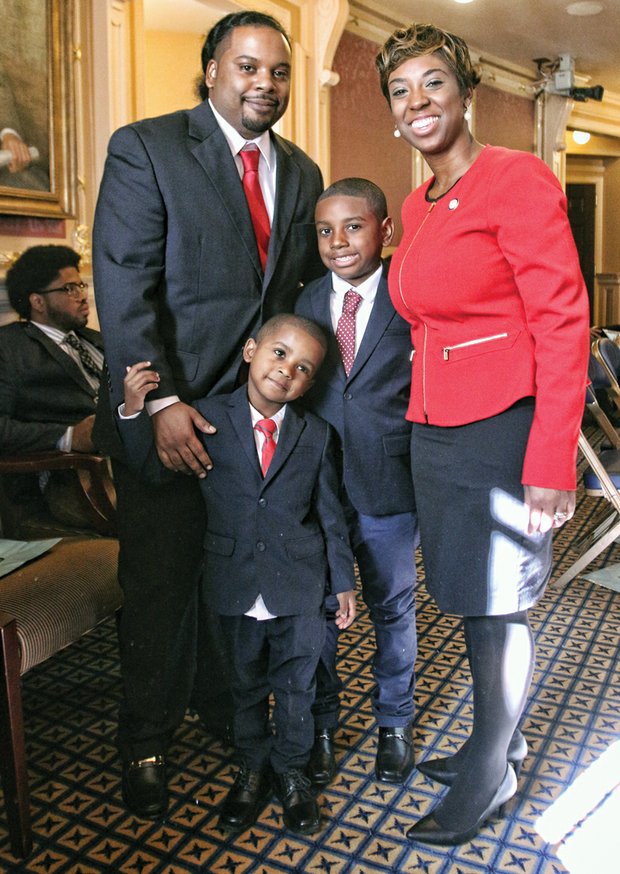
(44, 112)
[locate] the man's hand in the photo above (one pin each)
(82, 440)
(346, 609)
(549, 508)
(20, 156)
(177, 444)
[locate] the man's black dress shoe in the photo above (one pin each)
(145, 787)
(300, 811)
(245, 800)
(429, 831)
(443, 770)
(322, 763)
(395, 757)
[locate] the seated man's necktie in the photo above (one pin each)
(88, 362)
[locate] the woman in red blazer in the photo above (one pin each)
(488, 277)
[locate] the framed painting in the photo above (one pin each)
(37, 131)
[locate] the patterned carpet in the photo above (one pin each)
(572, 725)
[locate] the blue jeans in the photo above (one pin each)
(384, 548)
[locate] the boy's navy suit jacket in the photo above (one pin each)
(368, 407)
(283, 536)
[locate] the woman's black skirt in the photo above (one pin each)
(478, 557)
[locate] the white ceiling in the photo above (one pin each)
(515, 30)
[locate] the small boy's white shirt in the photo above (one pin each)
(258, 610)
(368, 292)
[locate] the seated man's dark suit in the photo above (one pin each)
(283, 536)
(367, 409)
(42, 392)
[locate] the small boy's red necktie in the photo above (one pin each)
(250, 156)
(345, 330)
(267, 428)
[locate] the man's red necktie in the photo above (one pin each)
(250, 155)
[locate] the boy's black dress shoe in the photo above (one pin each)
(322, 763)
(300, 810)
(395, 757)
(245, 800)
(145, 787)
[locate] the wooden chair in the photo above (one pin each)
(94, 495)
(49, 604)
(45, 606)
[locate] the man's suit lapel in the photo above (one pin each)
(64, 360)
(210, 148)
(288, 178)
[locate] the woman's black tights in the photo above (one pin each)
(501, 656)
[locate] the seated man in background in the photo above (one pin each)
(50, 368)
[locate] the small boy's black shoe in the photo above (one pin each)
(322, 763)
(300, 811)
(245, 800)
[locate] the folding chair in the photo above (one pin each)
(606, 354)
(602, 479)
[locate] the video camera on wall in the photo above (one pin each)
(558, 77)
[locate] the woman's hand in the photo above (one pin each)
(549, 508)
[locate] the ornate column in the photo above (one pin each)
(553, 111)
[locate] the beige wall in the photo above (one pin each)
(362, 140)
(172, 64)
(503, 119)
(611, 218)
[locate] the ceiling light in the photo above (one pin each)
(463, 1)
(585, 7)
(581, 137)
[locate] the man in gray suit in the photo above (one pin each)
(180, 282)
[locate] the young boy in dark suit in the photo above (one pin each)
(363, 391)
(276, 542)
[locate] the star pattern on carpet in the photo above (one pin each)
(82, 827)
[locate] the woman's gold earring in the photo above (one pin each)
(467, 114)
(396, 132)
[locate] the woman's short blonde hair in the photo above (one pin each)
(426, 39)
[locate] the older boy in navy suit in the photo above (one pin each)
(363, 391)
(276, 542)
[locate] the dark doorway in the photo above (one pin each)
(581, 211)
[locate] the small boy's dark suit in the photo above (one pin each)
(284, 537)
(367, 409)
